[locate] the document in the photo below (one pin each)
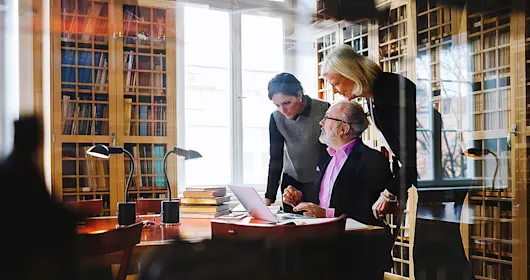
(352, 224)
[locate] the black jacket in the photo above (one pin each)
(359, 183)
(394, 114)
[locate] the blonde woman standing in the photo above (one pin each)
(392, 102)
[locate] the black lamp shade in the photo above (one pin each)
(126, 210)
(99, 150)
(187, 154)
(476, 153)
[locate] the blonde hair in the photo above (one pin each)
(345, 61)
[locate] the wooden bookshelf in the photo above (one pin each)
(325, 45)
(394, 40)
(356, 35)
(110, 86)
(149, 116)
(491, 237)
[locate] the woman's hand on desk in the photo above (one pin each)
(268, 202)
(292, 196)
(311, 210)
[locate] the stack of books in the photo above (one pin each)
(207, 203)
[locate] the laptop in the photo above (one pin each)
(257, 208)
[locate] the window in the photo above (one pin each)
(207, 95)
(2, 91)
(9, 17)
(227, 109)
(262, 58)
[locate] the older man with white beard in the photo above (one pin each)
(350, 178)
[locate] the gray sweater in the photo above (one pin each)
(294, 145)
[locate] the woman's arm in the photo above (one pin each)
(276, 160)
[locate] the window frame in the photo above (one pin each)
(236, 83)
(2, 89)
(438, 182)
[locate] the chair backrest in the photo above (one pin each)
(404, 212)
(228, 229)
(90, 208)
(148, 206)
(122, 239)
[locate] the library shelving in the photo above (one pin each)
(394, 40)
(325, 45)
(111, 62)
(490, 238)
(466, 63)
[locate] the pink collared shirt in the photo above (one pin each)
(338, 158)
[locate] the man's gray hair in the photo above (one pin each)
(353, 113)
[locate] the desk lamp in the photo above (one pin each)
(480, 154)
(170, 211)
(126, 210)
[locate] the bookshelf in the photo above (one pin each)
(149, 126)
(356, 35)
(325, 45)
(527, 58)
(394, 40)
(110, 86)
(491, 237)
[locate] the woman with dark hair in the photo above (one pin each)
(293, 130)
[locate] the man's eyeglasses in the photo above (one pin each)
(330, 118)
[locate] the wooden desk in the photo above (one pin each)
(154, 234)
(188, 229)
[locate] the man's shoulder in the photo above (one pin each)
(371, 153)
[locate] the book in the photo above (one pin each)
(205, 200)
(206, 189)
(216, 193)
(204, 215)
(203, 208)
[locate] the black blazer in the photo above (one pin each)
(358, 185)
(394, 114)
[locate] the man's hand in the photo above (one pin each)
(383, 204)
(292, 196)
(311, 210)
(268, 202)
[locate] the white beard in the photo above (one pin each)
(327, 139)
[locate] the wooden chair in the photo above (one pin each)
(90, 208)
(148, 206)
(229, 229)
(124, 239)
(390, 276)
